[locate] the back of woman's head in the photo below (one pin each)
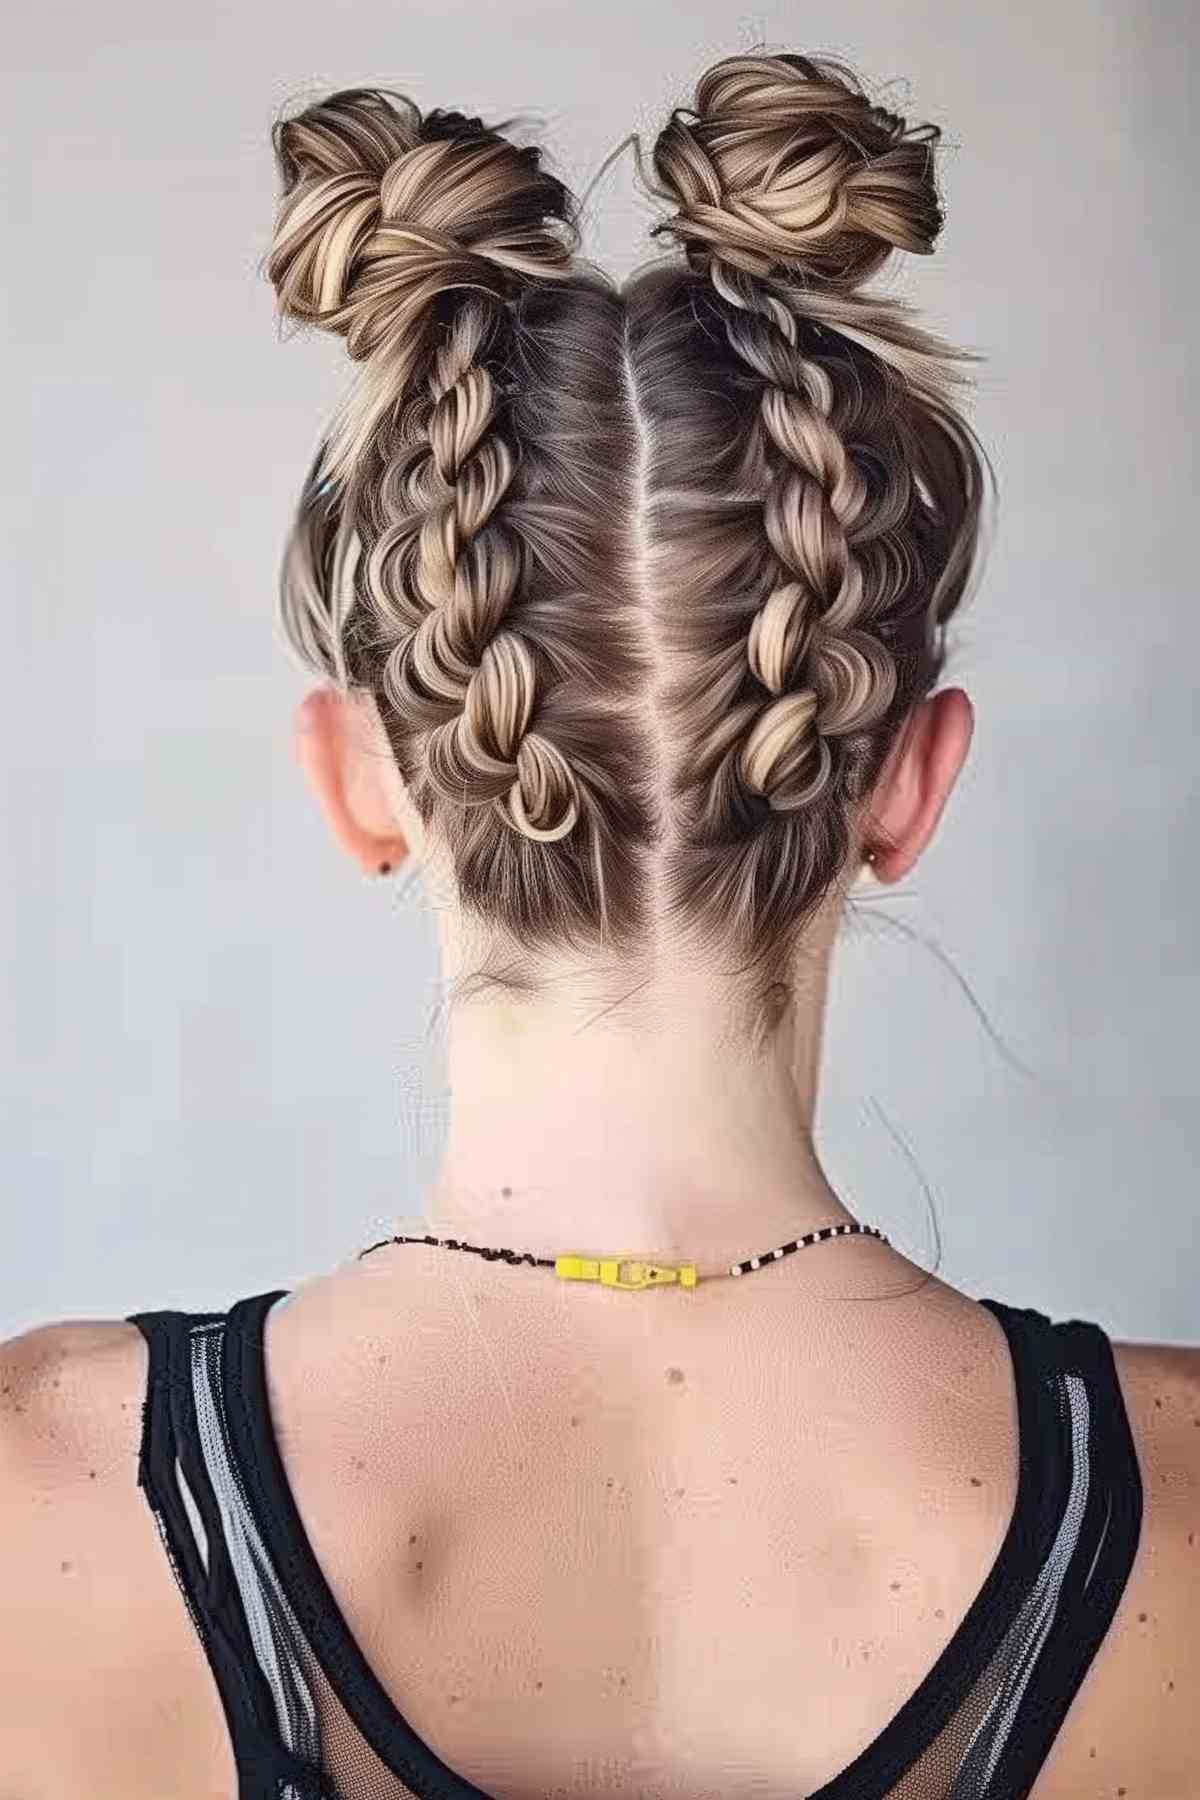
(646, 581)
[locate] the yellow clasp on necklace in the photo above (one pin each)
(623, 1272)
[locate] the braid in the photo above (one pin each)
(822, 522)
(444, 577)
(368, 245)
(437, 557)
(826, 678)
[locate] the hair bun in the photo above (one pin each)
(375, 195)
(383, 210)
(784, 164)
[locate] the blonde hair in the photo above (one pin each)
(646, 580)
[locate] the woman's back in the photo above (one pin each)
(688, 1556)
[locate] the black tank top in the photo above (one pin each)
(309, 1720)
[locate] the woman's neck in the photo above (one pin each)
(643, 1127)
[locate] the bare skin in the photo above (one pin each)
(677, 1544)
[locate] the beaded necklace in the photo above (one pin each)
(632, 1272)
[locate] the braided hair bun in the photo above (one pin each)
(790, 189)
(384, 212)
(414, 238)
(784, 164)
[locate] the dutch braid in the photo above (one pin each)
(491, 629)
(790, 188)
(384, 215)
(458, 668)
(827, 678)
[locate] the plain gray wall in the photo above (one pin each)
(217, 1078)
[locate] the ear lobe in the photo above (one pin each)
(915, 787)
(334, 747)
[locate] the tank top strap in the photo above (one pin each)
(182, 1441)
(1081, 1353)
(1094, 1504)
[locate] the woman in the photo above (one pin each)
(639, 1465)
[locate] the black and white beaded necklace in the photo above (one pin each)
(632, 1272)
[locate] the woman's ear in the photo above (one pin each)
(345, 755)
(916, 782)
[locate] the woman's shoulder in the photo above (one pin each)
(93, 1629)
(67, 1399)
